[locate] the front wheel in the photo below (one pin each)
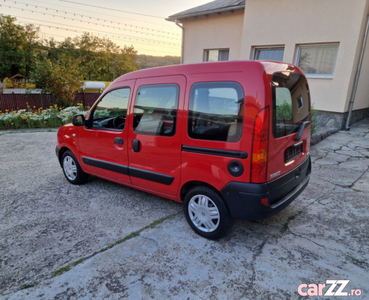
(207, 213)
(72, 170)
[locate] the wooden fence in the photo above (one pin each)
(19, 101)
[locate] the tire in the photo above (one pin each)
(207, 213)
(72, 170)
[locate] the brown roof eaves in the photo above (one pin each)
(207, 9)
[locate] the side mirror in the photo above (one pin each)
(78, 120)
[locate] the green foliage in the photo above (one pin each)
(148, 61)
(284, 112)
(314, 120)
(103, 60)
(61, 78)
(98, 58)
(18, 47)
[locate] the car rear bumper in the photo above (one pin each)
(244, 199)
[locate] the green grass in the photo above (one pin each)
(29, 285)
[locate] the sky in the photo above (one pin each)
(139, 23)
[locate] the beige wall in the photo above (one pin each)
(212, 32)
(294, 22)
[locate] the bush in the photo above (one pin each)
(38, 118)
(314, 120)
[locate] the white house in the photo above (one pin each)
(326, 38)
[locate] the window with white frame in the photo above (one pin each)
(317, 61)
(216, 55)
(270, 53)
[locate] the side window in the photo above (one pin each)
(111, 111)
(216, 111)
(155, 111)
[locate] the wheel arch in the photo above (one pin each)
(189, 185)
(62, 150)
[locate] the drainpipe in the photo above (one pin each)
(182, 46)
(357, 76)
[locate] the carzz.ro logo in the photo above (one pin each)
(330, 288)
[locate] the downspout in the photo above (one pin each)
(182, 46)
(357, 76)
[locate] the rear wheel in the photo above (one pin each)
(207, 213)
(72, 170)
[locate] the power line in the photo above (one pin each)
(121, 38)
(107, 33)
(157, 23)
(88, 17)
(90, 22)
(113, 9)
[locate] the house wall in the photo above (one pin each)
(295, 22)
(218, 31)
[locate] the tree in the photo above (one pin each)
(61, 78)
(101, 59)
(18, 47)
(124, 61)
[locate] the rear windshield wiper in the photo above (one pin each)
(303, 125)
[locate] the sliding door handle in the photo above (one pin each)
(136, 146)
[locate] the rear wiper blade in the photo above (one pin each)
(303, 125)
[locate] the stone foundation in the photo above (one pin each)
(330, 122)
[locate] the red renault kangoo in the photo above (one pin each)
(228, 139)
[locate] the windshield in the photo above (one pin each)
(291, 102)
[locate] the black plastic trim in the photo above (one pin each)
(244, 199)
(121, 169)
(151, 176)
(217, 152)
(125, 170)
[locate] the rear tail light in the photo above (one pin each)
(259, 161)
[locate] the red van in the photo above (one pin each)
(230, 140)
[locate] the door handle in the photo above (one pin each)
(118, 141)
(136, 145)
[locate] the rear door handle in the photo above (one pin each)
(136, 145)
(118, 141)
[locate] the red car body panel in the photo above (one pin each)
(167, 165)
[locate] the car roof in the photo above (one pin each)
(209, 67)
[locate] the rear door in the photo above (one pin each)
(154, 138)
(290, 134)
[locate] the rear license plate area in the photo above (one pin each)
(292, 152)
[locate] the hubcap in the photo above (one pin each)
(203, 213)
(70, 168)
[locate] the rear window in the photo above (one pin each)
(291, 102)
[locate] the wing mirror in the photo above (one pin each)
(78, 120)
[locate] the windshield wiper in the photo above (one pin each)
(303, 125)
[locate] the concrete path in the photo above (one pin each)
(323, 235)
